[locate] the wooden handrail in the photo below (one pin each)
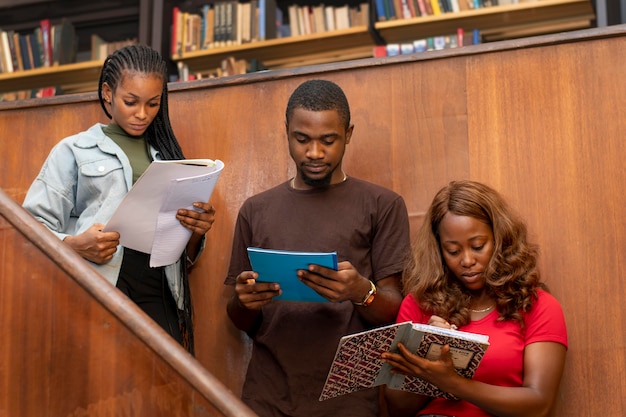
(124, 309)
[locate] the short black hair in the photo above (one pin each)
(319, 95)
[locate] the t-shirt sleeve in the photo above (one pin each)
(392, 244)
(411, 311)
(239, 260)
(545, 322)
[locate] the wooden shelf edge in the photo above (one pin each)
(295, 47)
(80, 72)
(488, 18)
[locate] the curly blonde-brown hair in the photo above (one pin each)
(511, 277)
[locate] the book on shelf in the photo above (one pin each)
(281, 266)
(46, 41)
(357, 364)
(64, 43)
(6, 60)
(13, 39)
(432, 43)
(407, 9)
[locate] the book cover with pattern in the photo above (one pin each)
(357, 364)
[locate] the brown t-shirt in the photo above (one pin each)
(295, 344)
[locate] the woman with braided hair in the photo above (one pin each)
(87, 175)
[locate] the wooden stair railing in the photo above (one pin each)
(132, 317)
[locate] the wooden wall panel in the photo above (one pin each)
(547, 129)
(63, 354)
(538, 119)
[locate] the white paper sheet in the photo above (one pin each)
(146, 217)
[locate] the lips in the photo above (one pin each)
(472, 276)
(315, 169)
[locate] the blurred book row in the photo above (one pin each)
(433, 43)
(46, 46)
(232, 66)
(408, 9)
(228, 23)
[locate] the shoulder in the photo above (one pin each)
(85, 139)
(90, 137)
(545, 321)
(411, 311)
(371, 188)
(545, 300)
(270, 194)
(376, 196)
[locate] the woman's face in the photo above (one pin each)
(136, 101)
(467, 247)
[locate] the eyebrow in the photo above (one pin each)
(135, 96)
(325, 135)
(470, 239)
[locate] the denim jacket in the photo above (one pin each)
(82, 182)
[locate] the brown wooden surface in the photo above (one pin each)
(539, 119)
(75, 346)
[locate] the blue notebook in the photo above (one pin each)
(281, 266)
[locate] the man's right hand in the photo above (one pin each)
(252, 294)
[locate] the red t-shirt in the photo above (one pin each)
(503, 363)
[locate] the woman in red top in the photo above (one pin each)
(473, 269)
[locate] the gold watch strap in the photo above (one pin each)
(369, 297)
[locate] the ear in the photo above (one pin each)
(107, 93)
(349, 133)
(287, 129)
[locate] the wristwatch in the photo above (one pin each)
(369, 297)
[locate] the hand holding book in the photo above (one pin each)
(281, 266)
(358, 364)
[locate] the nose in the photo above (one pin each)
(467, 259)
(315, 150)
(141, 113)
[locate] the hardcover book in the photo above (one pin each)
(357, 364)
(281, 266)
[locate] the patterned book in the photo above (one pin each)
(357, 364)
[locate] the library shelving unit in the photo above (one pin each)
(495, 23)
(71, 76)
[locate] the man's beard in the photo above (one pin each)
(319, 183)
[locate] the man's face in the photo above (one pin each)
(317, 142)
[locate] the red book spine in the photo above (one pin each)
(46, 34)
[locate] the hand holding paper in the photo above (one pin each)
(146, 218)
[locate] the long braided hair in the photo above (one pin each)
(159, 135)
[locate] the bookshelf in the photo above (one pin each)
(71, 76)
(495, 23)
(116, 21)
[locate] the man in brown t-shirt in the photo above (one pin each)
(321, 209)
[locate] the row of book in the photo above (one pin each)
(408, 9)
(306, 20)
(100, 49)
(232, 66)
(227, 23)
(221, 24)
(434, 43)
(45, 46)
